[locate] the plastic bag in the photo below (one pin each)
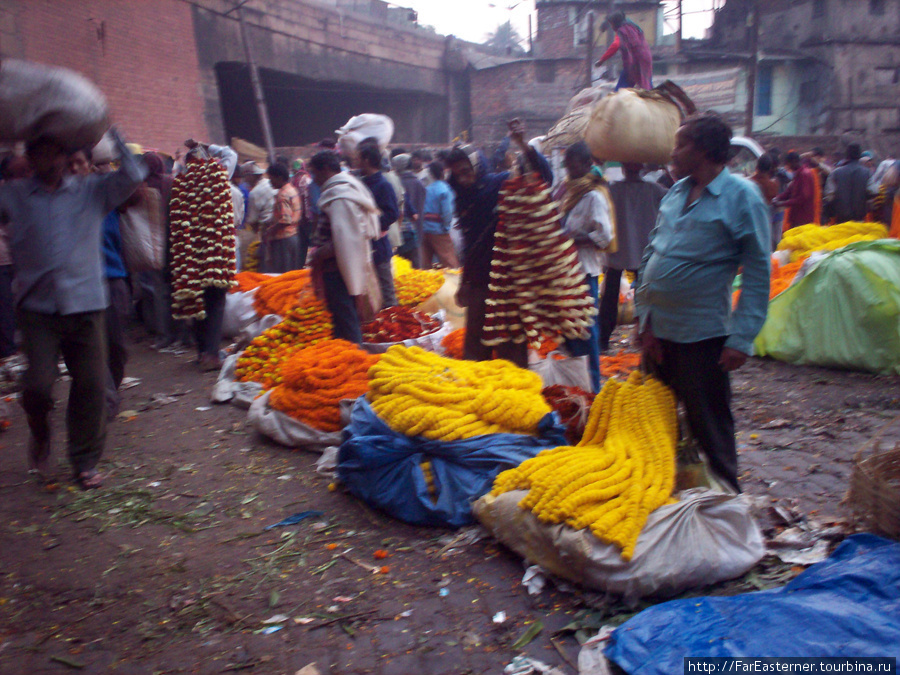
(571, 371)
(380, 127)
(845, 312)
(633, 126)
(239, 313)
(285, 430)
(143, 228)
(843, 607)
(38, 100)
(383, 467)
(704, 538)
(227, 389)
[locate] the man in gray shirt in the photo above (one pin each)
(55, 223)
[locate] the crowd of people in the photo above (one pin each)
(65, 283)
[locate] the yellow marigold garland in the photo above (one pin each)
(803, 240)
(420, 393)
(316, 379)
(621, 471)
(414, 286)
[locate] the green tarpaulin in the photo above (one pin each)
(844, 313)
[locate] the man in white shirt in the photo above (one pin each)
(589, 219)
(259, 205)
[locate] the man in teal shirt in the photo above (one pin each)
(710, 224)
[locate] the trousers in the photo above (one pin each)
(208, 332)
(386, 282)
(342, 306)
(81, 338)
(590, 346)
(473, 348)
(692, 370)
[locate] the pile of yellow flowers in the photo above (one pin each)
(419, 393)
(803, 240)
(414, 286)
(621, 471)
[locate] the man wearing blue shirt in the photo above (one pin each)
(437, 220)
(710, 224)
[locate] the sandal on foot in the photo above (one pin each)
(89, 480)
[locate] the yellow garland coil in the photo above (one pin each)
(420, 393)
(621, 471)
(803, 240)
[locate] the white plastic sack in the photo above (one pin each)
(239, 312)
(227, 389)
(38, 100)
(571, 371)
(705, 538)
(380, 127)
(591, 659)
(285, 430)
(633, 126)
(256, 328)
(143, 230)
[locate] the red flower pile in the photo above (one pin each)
(202, 241)
(537, 284)
(395, 324)
(573, 406)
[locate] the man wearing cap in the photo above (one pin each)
(261, 201)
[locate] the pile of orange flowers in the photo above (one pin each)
(279, 295)
(453, 343)
(247, 281)
(783, 276)
(619, 364)
(316, 379)
(305, 325)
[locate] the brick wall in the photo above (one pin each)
(514, 90)
(139, 52)
(555, 33)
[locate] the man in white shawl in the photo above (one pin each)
(342, 265)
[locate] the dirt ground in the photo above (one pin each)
(168, 568)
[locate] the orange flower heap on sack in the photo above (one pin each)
(279, 295)
(316, 379)
(306, 325)
(623, 363)
(453, 343)
(247, 281)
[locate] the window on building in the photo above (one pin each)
(764, 90)
(876, 7)
(820, 8)
(545, 71)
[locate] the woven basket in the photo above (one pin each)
(874, 494)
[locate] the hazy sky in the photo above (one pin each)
(473, 20)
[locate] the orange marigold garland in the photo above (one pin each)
(247, 281)
(305, 325)
(453, 343)
(316, 379)
(202, 242)
(622, 363)
(279, 295)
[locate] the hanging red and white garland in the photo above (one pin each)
(537, 285)
(203, 237)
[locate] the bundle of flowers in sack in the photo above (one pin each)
(454, 343)
(282, 293)
(803, 240)
(420, 393)
(315, 380)
(202, 236)
(621, 471)
(395, 324)
(247, 281)
(537, 284)
(303, 326)
(573, 405)
(621, 363)
(250, 263)
(413, 286)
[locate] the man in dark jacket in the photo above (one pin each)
(477, 194)
(386, 200)
(846, 191)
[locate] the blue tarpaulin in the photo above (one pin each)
(383, 467)
(846, 606)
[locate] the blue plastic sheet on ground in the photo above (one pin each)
(383, 467)
(845, 606)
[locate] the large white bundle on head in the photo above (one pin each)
(42, 101)
(360, 127)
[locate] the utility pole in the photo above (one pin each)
(753, 22)
(590, 50)
(258, 93)
(679, 35)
